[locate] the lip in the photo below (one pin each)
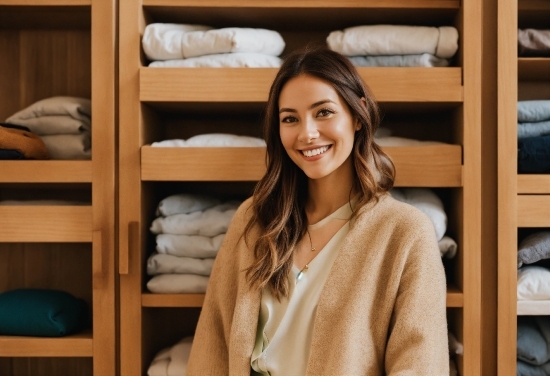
(315, 157)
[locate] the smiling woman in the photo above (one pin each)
(321, 271)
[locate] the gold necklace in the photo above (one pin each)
(306, 267)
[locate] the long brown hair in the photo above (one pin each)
(278, 206)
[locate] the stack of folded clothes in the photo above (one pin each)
(396, 45)
(212, 140)
(534, 136)
(198, 46)
(533, 346)
(63, 124)
(425, 200)
(18, 142)
(533, 43)
(172, 361)
(533, 284)
(190, 230)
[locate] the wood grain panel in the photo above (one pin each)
(533, 211)
(45, 224)
(310, 3)
(172, 300)
(534, 68)
(218, 84)
(46, 171)
(45, 2)
(77, 345)
(534, 184)
(432, 165)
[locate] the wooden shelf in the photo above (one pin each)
(533, 307)
(432, 165)
(534, 68)
(76, 345)
(533, 210)
(46, 171)
(195, 84)
(46, 2)
(172, 300)
(455, 297)
(533, 5)
(539, 184)
(30, 224)
(455, 4)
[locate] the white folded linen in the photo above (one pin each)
(227, 60)
(162, 41)
(159, 263)
(178, 284)
(402, 141)
(395, 40)
(447, 247)
(172, 44)
(455, 347)
(189, 245)
(382, 132)
(533, 283)
(55, 115)
(213, 140)
(211, 222)
(69, 146)
(422, 60)
(184, 203)
(172, 361)
(427, 202)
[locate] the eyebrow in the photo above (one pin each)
(318, 103)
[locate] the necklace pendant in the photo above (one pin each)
(313, 249)
(301, 273)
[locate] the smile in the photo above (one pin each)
(314, 152)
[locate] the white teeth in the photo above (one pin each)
(314, 152)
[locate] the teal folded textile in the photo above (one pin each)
(533, 111)
(43, 313)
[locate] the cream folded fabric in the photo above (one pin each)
(426, 201)
(423, 60)
(229, 60)
(447, 247)
(69, 146)
(533, 283)
(184, 203)
(172, 361)
(402, 141)
(211, 222)
(159, 263)
(55, 115)
(189, 245)
(213, 140)
(178, 284)
(171, 44)
(162, 41)
(395, 40)
(455, 347)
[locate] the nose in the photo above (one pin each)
(308, 131)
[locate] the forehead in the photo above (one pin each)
(303, 90)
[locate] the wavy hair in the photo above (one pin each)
(278, 204)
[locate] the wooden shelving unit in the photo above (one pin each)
(444, 104)
(523, 199)
(60, 48)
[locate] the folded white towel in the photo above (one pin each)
(159, 263)
(533, 283)
(181, 44)
(228, 60)
(392, 141)
(423, 60)
(69, 146)
(211, 222)
(55, 115)
(426, 201)
(172, 361)
(213, 140)
(447, 247)
(455, 347)
(395, 40)
(178, 284)
(189, 245)
(159, 365)
(184, 203)
(162, 41)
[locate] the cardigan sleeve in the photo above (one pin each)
(210, 350)
(417, 342)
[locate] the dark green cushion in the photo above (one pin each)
(44, 313)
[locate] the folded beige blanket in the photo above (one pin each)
(533, 42)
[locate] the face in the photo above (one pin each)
(316, 127)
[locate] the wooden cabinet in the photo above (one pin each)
(523, 199)
(441, 104)
(51, 48)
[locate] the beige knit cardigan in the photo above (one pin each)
(381, 311)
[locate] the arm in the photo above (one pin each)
(417, 342)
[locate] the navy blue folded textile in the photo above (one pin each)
(534, 155)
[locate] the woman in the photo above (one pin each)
(321, 271)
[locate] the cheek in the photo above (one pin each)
(287, 137)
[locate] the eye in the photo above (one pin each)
(288, 119)
(325, 112)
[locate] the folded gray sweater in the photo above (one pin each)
(533, 340)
